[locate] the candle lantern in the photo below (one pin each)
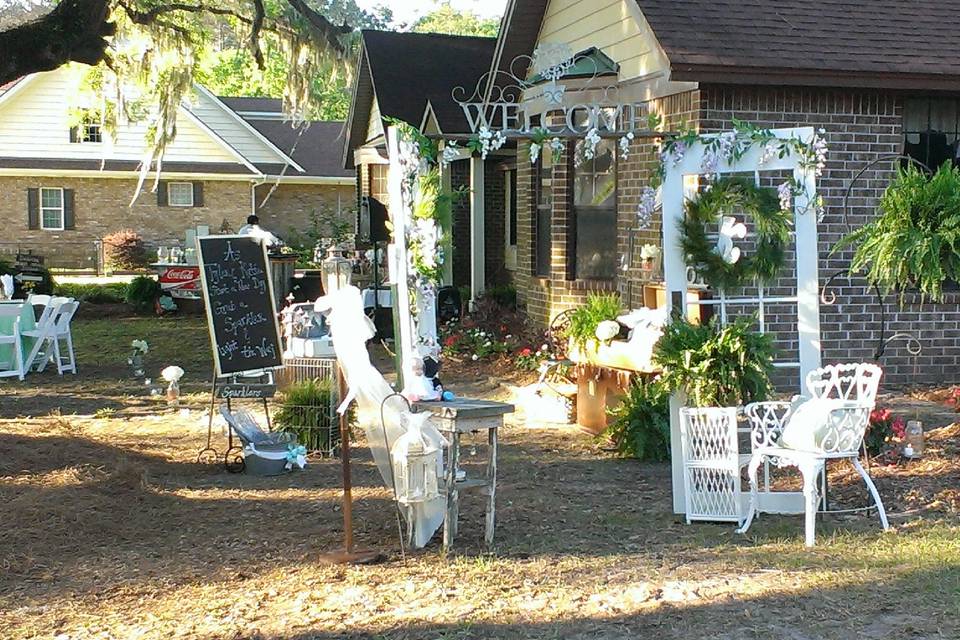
(913, 447)
(337, 270)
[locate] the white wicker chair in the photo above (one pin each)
(831, 422)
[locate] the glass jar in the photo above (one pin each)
(173, 393)
(913, 447)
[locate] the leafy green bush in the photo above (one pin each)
(142, 293)
(716, 366)
(504, 295)
(22, 289)
(915, 242)
(306, 413)
(112, 292)
(584, 320)
(323, 223)
(640, 425)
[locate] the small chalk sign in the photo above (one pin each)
(238, 295)
(246, 391)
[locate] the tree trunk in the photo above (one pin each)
(75, 31)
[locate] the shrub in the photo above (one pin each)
(640, 425)
(142, 293)
(306, 413)
(124, 251)
(22, 289)
(884, 432)
(915, 241)
(110, 293)
(716, 366)
(504, 295)
(584, 320)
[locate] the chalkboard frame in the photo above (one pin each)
(214, 346)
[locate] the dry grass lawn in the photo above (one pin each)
(111, 530)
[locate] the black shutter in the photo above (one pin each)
(74, 134)
(33, 208)
(162, 194)
(198, 194)
(69, 221)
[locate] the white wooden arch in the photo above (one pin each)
(680, 182)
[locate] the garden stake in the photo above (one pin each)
(348, 555)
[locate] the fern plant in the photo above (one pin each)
(915, 242)
(584, 320)
(640, 425)
(716, 365)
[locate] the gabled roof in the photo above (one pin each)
(881, 43)
(403, 71)
(842, 43)
(317, 147)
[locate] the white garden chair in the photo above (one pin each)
(43, 334)
(61, 332)
(13, 367)
(39, 299)
(805, 433)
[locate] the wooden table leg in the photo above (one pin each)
(450, 521)
(491, 487)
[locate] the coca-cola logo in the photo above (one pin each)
(180, 275)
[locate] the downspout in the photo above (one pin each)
(253, 192)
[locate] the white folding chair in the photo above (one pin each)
(828, 425)
(13, 367)
(38, 299)
(43, 334)
(61, 331)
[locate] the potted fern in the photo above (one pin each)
(915, 241)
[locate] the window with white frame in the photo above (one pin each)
(180, 194)
(51, 209)
(89, 129)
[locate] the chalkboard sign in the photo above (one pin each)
(238, 296)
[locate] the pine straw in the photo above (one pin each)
(112, 530)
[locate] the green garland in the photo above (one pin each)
(772, 229)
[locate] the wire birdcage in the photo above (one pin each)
(308, 405)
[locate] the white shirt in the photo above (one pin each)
(257, 231)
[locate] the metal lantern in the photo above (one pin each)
(337, 270)
(417, 464)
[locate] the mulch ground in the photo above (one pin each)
(113, 530)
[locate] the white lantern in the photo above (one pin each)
(417, 464)
(337, 270)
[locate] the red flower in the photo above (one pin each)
(450, 341)
(525, 351)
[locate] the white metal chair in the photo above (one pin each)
(711, 464)
(61, 331)
(43, 334)
(13, 367)
(805, 433)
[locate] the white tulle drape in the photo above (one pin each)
(351, 329)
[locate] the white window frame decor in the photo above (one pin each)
(60, 209)
(90, 129)
(705, 156)
(170, 200)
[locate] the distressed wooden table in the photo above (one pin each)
(453, 419)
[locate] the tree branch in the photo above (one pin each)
(75, 30)
(326, 29)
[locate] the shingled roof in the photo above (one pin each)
(404, 71)
(881, 43)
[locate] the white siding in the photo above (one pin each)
(613, 26)
(375, 123)
(33, 124)
(235, 133)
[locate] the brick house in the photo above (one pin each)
(483, 238)
(876, 77)
(66, 187)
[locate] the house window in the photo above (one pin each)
(931, 130)
(595, 211)
(180, 194)
(378, 182)
(51, 209)
(89, 129)
(510, 221)
(543, 212)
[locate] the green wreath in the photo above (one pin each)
(771, 226)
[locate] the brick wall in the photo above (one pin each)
(291, 205)
(494, 212)
(102, 206)
(459, 180)
(860, 127)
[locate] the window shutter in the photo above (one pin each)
(198, 194)
(162, 194)
(33, 208)
(68, 217)
(74, 134)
